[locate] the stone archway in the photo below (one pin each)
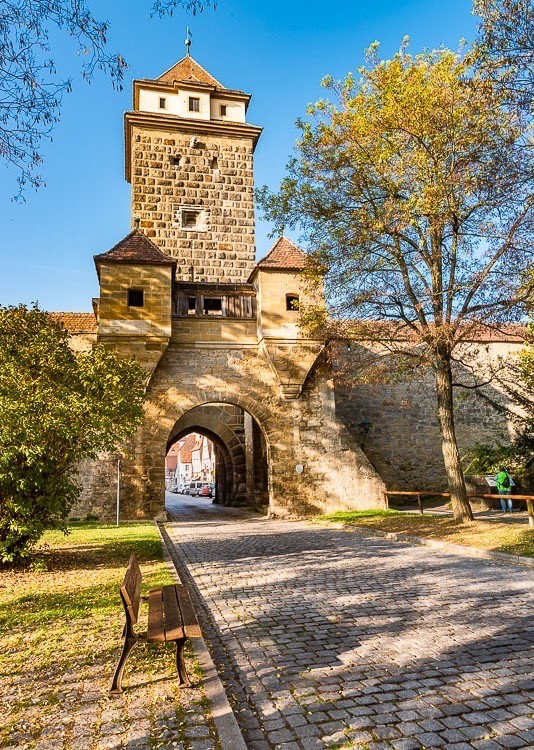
(240, 448)
(309, 463)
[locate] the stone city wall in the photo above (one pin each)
(403, 438)
(321, 434)
(304, 431)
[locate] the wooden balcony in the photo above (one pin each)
(213, 300)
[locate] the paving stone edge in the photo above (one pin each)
(459, 549)
(223, 717)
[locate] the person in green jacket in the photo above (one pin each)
(503, 481)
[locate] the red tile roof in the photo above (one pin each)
(188, 69)
(75, 322)
(387, 330)
(187, 448)
(135, 248)
(284, 254)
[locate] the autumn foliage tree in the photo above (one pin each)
(57, 407)
(413, 188)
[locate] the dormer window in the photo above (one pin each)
(194, 104)
(136, 298)
(292, 302)
(223, 110)
(162, 102)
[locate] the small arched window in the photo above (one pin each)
(292, 302)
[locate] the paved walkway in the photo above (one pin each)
(328, 638)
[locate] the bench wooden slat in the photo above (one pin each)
(156, 630)
(173, 617)
(189, 619)
(131, 588)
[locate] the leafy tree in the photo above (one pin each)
(57, 407)
(31, 90)
(505, 46)
(414, 189)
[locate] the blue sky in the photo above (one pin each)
(277, 51)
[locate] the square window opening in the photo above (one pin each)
(162, 102)
(193, 218)
(194, 104)
(136, 298)
(191, 305)
(190, 219)
(223, 110)
(212, 306)
(292, 302)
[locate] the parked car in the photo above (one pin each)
(183, 489)
(211, 489)
(205, 491)
(195, 487)
(174, 488)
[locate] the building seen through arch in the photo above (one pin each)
(190, 458)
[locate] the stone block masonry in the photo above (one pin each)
(404, 441)
(336, 475)
(173, 173)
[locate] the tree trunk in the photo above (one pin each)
(451, 456)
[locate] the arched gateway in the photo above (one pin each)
(217, 333)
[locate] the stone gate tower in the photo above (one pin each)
(189, 160)
(217, 333)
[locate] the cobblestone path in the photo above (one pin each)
(326, 638)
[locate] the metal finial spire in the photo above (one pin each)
(187, 41)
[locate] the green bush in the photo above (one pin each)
(57, 407)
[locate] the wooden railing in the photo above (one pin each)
(419, 495)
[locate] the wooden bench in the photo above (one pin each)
(171, 618)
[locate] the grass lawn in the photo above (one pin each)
(490, 535)
(61, 623)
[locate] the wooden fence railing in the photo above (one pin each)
(419, 495)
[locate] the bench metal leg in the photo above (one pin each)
(183, 679)
(129, 643)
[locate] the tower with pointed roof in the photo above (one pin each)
(217, 334)
(189, 159)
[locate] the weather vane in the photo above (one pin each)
(187, 41)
